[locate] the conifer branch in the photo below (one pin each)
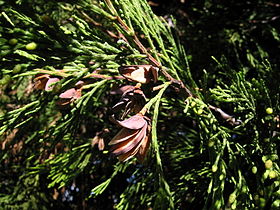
(62, 67)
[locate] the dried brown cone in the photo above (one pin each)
(133, 139)
(140, 73)
(132, 100)
(99, 139)
(45, 82)
(70, 95)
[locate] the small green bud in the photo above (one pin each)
(214, 127)
(244, 189)
(17, 69)
(272, 174)
(211, 143)
(269, 110)
(268, 164)
(193, 103)
(31, 46)
(254, 169)
(13, 41)
(232, 198)
(214, 168)
(262, 202)
(5, 80)
(199, 111)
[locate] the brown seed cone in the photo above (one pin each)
(132, 100)
(133, 139)
(139, 73)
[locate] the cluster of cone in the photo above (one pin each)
(133, 139)
(48, 83)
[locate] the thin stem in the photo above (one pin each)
(232, 120)
(101, 76)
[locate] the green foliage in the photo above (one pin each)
(214, 110)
